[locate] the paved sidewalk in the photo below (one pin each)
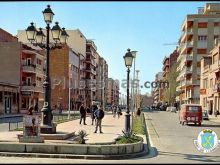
(111, 127)
(212, 118)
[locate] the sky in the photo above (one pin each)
(115, 26)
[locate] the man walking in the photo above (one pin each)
(99, 114)
(93, 109)
(82, 111)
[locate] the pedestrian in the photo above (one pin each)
(36, 107)
(176, 106)
(82, 111)
(99, 115)
(93, 109)
(30, 110)
(60, 108)
(114, 111)
(119, 112)
(88, 110)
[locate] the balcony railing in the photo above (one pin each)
(29, 68)
(32, 88)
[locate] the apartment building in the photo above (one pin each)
(77, 42)
(168, 62)
(158, 90)
(197, 39)
(32, 77)
(113, 92)
(74, 78)
(66, 64)
(10, 73)
(210, 80)
(90, 69)
(101, 80)
(22, 78)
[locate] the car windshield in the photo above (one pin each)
(193, 109)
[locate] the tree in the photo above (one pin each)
(170, 93)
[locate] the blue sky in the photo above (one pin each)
(115, 26)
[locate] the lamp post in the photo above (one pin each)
(134, 53)
(137, 91)
(37, 38)
(128, 63)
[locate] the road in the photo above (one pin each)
(174, 142)
(170, 143)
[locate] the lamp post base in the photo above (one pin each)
(47, 129)
(127, 122)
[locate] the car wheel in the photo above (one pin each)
(183, 123)
(200, 124)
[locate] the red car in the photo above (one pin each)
(190, 113)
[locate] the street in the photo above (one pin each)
(174, 142)
(170, 143)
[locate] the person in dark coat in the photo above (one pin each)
(36, 107)
(93, 109)
(82, 111)
(119, 111)
(99, 115)
(30, 110)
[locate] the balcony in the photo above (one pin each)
(216, 65)
(88, 51)
(164, 67)
(32, 88)
(188, 58)
(91, 61)
(186, 33)
(185, 46)
(187, 82)
(29, 68)
(91, 43)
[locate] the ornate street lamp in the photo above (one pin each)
(133, 95)
(56, 32)
(40, 36)
(128, 58)
(37, 38)
(63, 36)
(48, 15)
(31, 32)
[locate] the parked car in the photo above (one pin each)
(205, 115)
(163, 107)
(173, 109)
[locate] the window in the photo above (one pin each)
(211, 83)
(1, 96)
(205, 84)
(14, 98)
(193, 109)
(202, 25)
(28, 61)
(201, 51)
(216, 24)
(202, 38)
(39, 62)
